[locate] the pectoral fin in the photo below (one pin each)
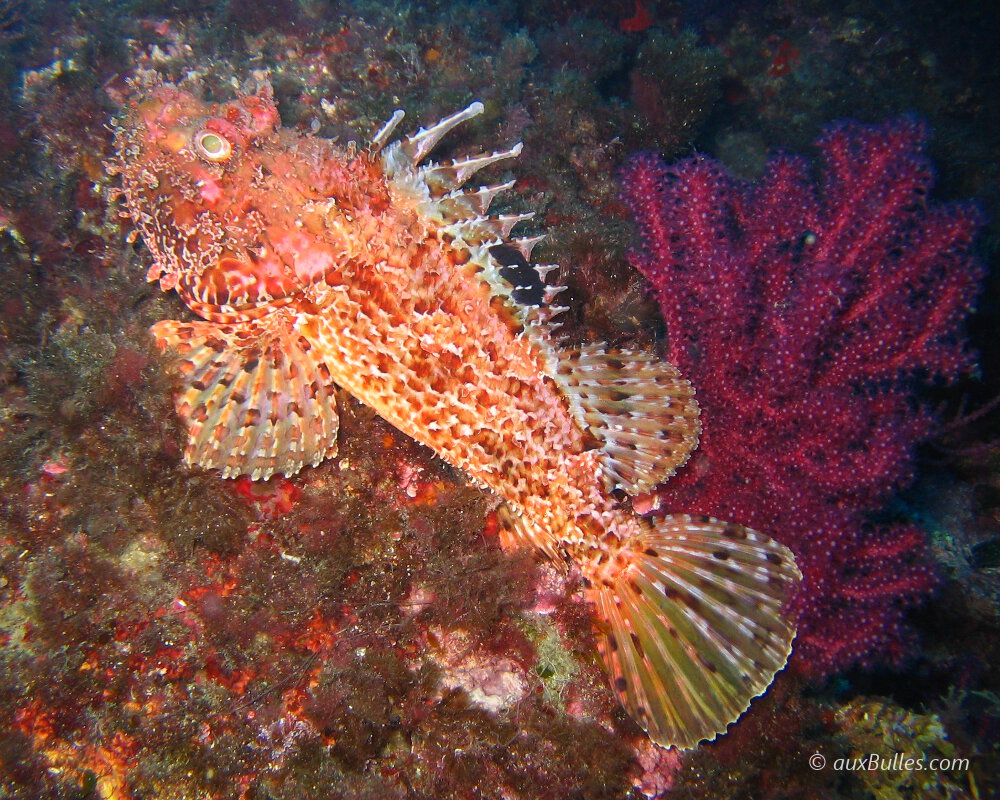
(255, 400)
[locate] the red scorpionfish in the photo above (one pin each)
(308, 267)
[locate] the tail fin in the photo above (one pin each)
(692, 625)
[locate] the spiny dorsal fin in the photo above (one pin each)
(694, 625)
(380, 139)
(255, 402)
(418, 145)
(638, 406)
(435, 192)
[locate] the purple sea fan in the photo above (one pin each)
(804, 312)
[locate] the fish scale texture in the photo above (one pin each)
(314, 268)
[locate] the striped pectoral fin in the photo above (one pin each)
(638, 406)
(255, 401)
(694, 625)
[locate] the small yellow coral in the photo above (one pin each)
(556, 665)
(887, 739)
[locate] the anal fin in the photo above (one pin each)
(254, 399)
(638, 406)
(517, 530)
(694, 625)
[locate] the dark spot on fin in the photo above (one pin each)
(529, 288)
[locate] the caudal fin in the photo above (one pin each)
(693, 626)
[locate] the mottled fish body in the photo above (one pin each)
(309, 267)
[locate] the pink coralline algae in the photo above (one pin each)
(804, 313)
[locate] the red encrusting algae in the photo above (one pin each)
(639, 21)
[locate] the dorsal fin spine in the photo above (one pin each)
(468, 167)
(418, 145)
(437, 194)
(486, 194)
(524, 245)
(379, 139)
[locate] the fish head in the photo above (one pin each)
(178, 124)
(210, 189)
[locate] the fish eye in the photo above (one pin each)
(212, 146)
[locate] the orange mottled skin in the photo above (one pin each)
(296, 233)
(312, 266)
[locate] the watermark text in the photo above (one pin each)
(897, 762)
